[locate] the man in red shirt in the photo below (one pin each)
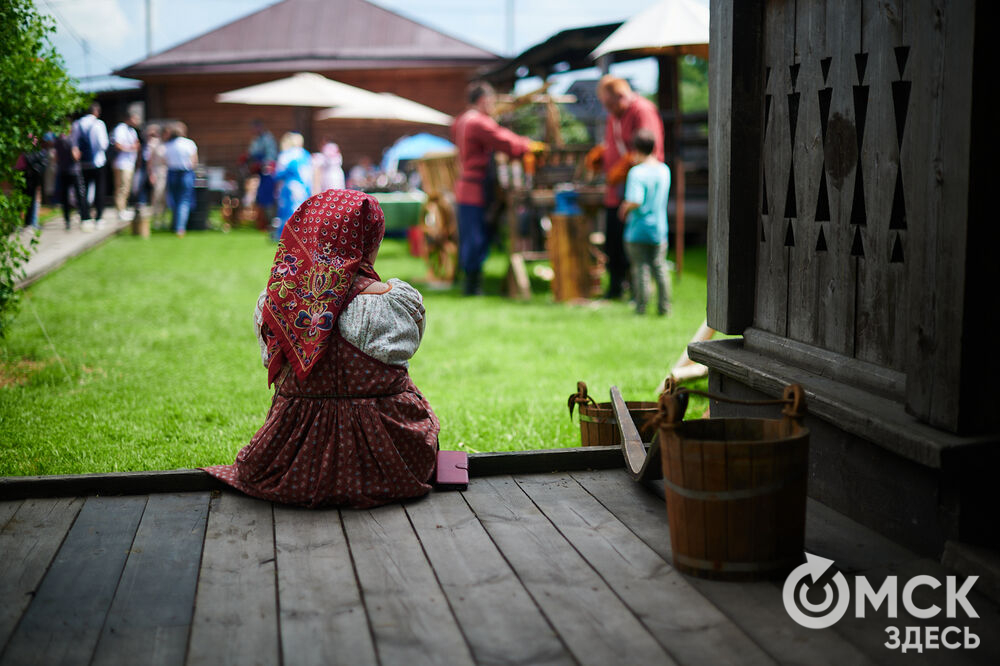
(628, 112)
(477, 137)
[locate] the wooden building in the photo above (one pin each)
(352, 41)
(849, 248)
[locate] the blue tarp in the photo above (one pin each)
(413, 147)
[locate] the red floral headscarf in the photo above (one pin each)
(321, 264)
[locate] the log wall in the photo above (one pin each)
(848, 126)
(223, 131)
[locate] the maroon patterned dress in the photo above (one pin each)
(346, 427)
(356, 432)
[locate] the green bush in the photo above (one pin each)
(36, 95)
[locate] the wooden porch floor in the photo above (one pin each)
(557, 568)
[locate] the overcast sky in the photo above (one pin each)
(98, 36)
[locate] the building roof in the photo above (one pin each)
(570, 49)
(313, 35)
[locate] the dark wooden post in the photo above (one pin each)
(736, 114)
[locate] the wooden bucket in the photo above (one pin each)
(735, 491)
(598, 426)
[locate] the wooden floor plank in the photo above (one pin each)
(409, 614)
(63, 622)
(29, 540)
(497, 615)
(236, 615)
(851, 545)
(686, 624)
(323, 620)
(8, 509)
(150, 617)
(869, 633)
(756, 608)
(592, 621)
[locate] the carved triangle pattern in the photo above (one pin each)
(821, 240)
(857, 246)
(897, 219)
(763, 236)
(897, 251)
(823, 199)
(764, 207)
(824, 64)
(902, 53)
(790, 206)
(900, 103)
(789, 235)
(861, 61)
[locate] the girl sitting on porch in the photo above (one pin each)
(346, 427)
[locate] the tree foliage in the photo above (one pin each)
(529, 120)
(36, 95)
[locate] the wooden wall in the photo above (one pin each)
(847, 126)
(223, 131)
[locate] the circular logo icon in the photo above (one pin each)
(801, 609)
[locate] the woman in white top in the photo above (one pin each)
(346, 427)
(181, 156)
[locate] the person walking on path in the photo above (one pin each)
(644, 212)
(69, 178)
(90, 136)
(628, 112)
(477, 137)
(181, 156)
(347, 426)
(125, 139)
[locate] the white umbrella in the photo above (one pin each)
(669, 26)
(302, 89)
(387, 106)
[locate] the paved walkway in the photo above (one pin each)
(56, 244)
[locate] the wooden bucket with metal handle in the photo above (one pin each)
(598, 426)
(735, 488)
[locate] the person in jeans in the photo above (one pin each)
(644, 212)
(477, 137)
(182, 157)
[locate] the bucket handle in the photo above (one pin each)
(673, 402)
(580, 398)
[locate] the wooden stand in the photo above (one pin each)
(569, 251)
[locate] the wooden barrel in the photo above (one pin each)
(736, 495)
(597, 420)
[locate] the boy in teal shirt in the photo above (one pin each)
(644, 212)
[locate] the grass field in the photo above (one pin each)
(140, 355)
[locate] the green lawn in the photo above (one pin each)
(148, 360)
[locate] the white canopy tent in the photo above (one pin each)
(302, 89)
(669, 26)
(387, 106)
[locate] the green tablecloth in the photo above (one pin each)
(402, 209)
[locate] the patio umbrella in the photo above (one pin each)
(302, 89)
(678, 27)
(414, 147)
(387, 106)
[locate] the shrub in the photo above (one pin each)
(36, 95)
